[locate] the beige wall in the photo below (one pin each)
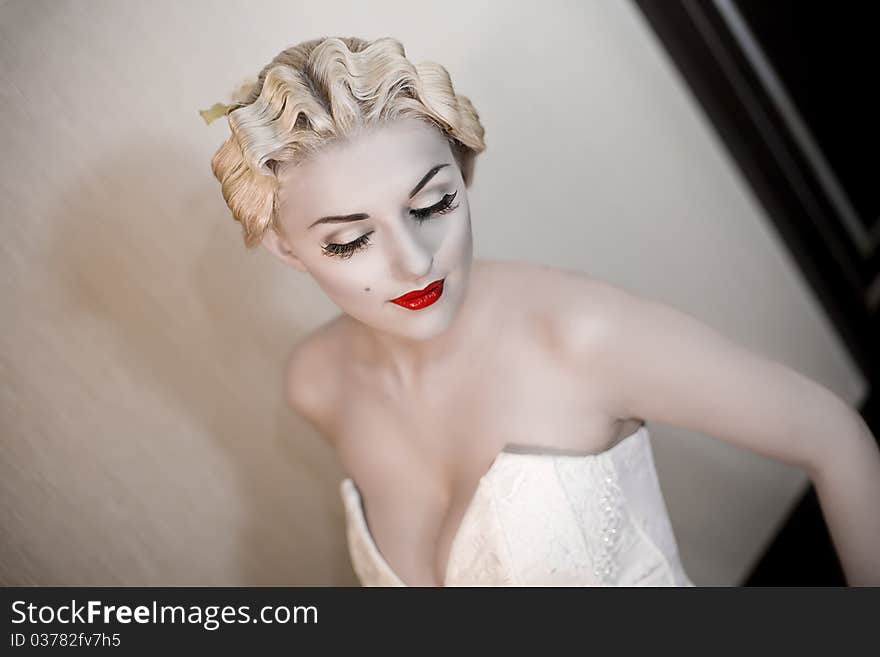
(144, 438)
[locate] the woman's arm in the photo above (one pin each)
(848, 486)
(657, 363)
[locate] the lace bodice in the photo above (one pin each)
(539, 519)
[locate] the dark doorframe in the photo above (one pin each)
(786, 86)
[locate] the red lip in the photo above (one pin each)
(421, 298)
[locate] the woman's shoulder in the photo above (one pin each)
(544, 285)
(311, 378)
(569, 309)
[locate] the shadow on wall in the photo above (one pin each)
(179, 306)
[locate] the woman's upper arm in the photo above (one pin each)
(657, 363)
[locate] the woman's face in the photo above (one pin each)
(375, 217)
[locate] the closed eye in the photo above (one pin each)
(347, 250)
(441, 207)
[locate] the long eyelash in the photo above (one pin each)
(347, 250)
(444, 206)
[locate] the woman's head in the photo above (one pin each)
(346, 128)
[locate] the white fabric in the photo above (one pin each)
(541, 519)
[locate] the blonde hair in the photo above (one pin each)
(324, 90)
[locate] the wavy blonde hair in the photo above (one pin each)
(324, 90)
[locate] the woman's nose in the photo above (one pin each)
(411, 259)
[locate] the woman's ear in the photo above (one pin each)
(278, 246)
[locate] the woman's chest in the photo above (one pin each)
(457, 419)
(418, 457)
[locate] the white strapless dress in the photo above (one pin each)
(550, 519)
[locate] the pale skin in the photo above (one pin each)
(417, 403)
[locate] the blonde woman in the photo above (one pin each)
(491, 416)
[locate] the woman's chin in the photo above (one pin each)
(422, 329)
(409, 324)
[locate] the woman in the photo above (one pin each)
(492, 415)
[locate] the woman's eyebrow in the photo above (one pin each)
(426, 178)
(360, 216)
